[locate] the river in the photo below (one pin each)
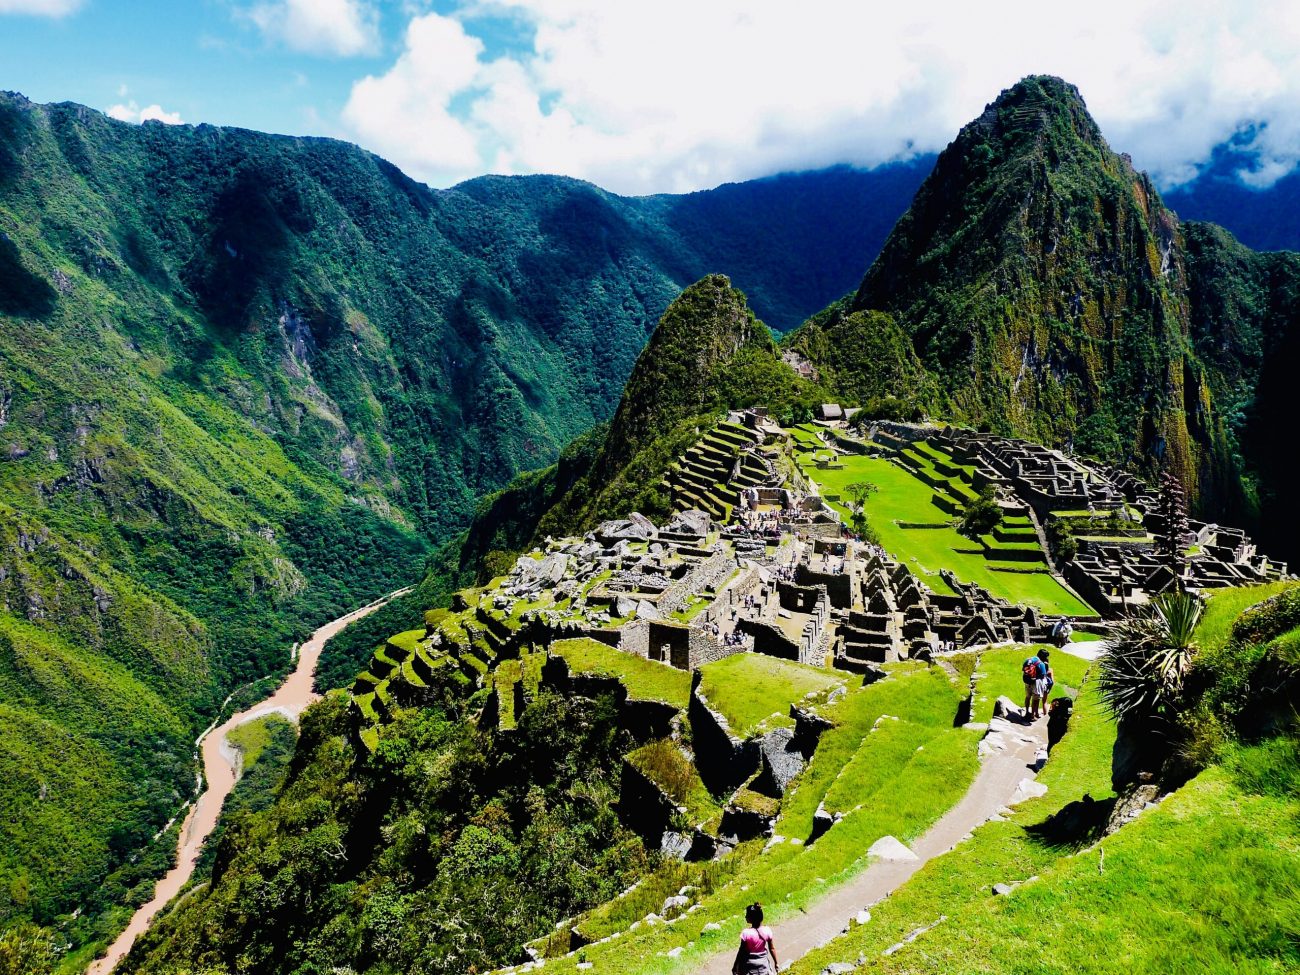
(221, 767)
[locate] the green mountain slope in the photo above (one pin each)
(1049, 293)
(1042, 282)
(245, 381)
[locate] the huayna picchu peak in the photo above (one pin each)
(884, 570)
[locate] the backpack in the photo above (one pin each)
(1031, 669)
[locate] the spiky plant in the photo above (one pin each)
(1140, 676)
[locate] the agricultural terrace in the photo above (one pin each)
(754, 692)
(904, 499)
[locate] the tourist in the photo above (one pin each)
(1032, 671)
(755, 946)
(1048, 680)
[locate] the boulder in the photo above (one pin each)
(646, 610)
(675, 846)
(1006, 708)
(1027, 789)
(674, 905)
(808, 729)
(781, 760)
(690, 522)
(889, 848)
(822, 822)
(1001, 890)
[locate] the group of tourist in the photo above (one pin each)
(731, 638)
(1036, 672)
(836, 568)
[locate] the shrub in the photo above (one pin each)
(1061, 540)
(1141, 673)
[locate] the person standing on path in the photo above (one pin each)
(1047, 681)
(755, 946)
(1031, 671)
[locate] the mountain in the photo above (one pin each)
(248, 381)
(1048, 292)
(1037, 285)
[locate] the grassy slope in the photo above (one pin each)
(1207, 882)
(903, 497)
(644, 679)
(1225, 605)
(752, 690)
(915, 788)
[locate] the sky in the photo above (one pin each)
(674, 95)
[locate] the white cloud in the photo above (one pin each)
(681, 94)
(131, 112)
(405, 114)
(40, 8)
(334, 27)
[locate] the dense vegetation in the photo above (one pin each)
(441, 853)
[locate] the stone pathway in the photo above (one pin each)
(1010, 755)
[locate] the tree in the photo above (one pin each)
(1061, 540)
(858, 493)
(26, 949)
(981, 515)
(1173, 513)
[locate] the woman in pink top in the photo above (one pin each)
(755, 945)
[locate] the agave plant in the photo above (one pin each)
(1140, 675)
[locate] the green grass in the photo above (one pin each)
(645, 680)
(1207, 882)
(1010, 851)
(903, 497)
(752, 690)
(252, 737)
(790, 878)
(408, 640)
(915, 788)
(667, 766)
(1225, 605)
(926, 695)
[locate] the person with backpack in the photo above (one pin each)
(755, 946)
(1031, 672)
(1048, 680)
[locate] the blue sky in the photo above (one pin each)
(675, 95)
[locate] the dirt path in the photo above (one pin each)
(996, 784)
(221, 766)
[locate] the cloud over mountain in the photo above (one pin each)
(681, 95)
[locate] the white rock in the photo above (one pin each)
(889, 848)
(674, 952)
(712, 926)
(673, 905)
(1027, 789)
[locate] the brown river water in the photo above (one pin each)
(221, 768)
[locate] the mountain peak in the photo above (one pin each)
(1034, 108)
(1032, 253)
